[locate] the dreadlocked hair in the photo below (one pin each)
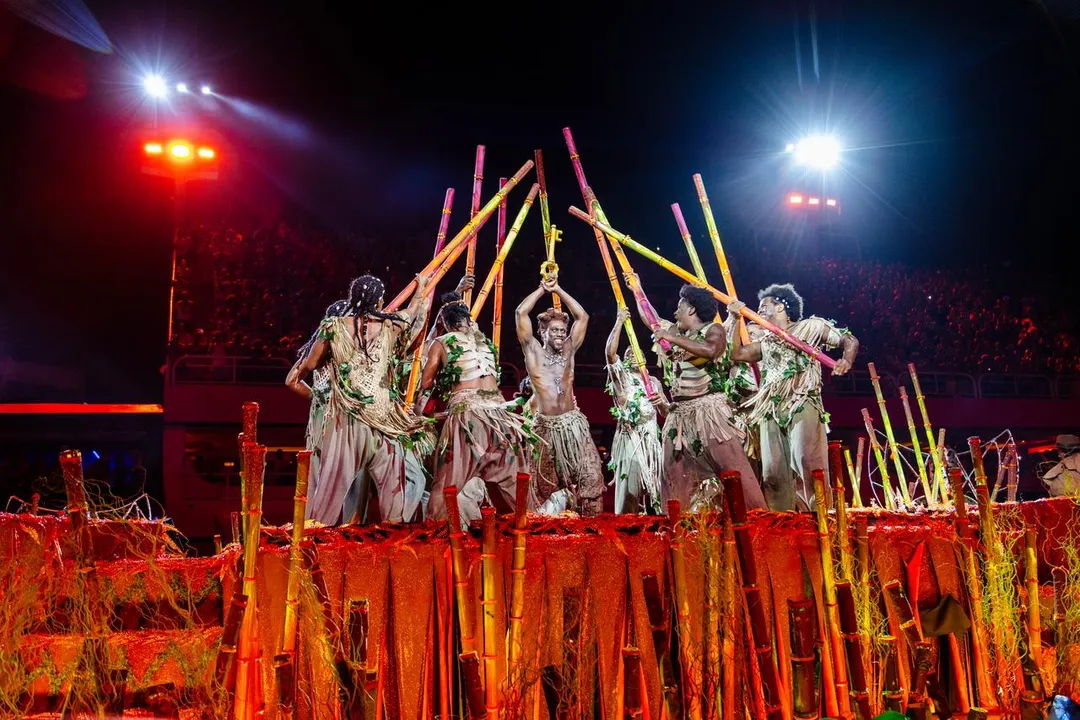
(338, 308)
(785, 295)
(701, 300)
(365, 294)
(551, 315)
(453, 311)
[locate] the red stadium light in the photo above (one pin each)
(795, 199)
(207, 153)
(181, 150)
(152, 148)
(814, 201)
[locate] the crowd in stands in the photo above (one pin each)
(259, 294)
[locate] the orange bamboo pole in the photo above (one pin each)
(248, 695)
(517, 581)
(489, 604)
(463, 594)
(292, 592)
(689, 641)
(504, 252)
(1031, 582)
(463, 235)
(500, 238)
(839, 694)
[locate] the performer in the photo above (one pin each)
(319, 394)
(568, 458)
(369, 437)
(483, 445)
(700, 439)
(787, 410)
(637, 454)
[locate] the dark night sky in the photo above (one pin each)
(963, 116)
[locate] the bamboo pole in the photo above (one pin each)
(466, 613)
(1031, 581)
(759, 638)
(718, 249)
(894, 452)
(729, 670)
(839, 694)
(551, 235)
(928, 491)
(856, 496)
(488, 561)
(517, 581)
(932, 445)
(689, 641)
(862, 588)
(1012, 459)
(711, 676)
(418, 353)
(688, 241)
(886, 483)
(248, 434)
(631, 657)
(983, 686)
(248, 700)
(843, 534)
(504, 252)
(500, 239)
(860, 455)
(605, 255)
(939, 459)
(478, 180)
(690, 278)
(802, 622)
(463, 235)
(292, 592)
(849, 628)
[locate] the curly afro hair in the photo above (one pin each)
(551, 315)
(701, 300)
(785, 295)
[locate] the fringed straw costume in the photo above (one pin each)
(790, 418)
(700, 439)
(368, 438)
(568, 460)
(637, 454)
(483, 445)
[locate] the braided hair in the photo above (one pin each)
(453, 312)
(365, 296)
(337, 309)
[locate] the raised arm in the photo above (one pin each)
(711, 347)
(304, 367)
(436, 356)
(612, 349)
(581, 318)
(521, 316)
(742, 353)
(417, 309)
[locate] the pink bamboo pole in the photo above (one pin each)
(463, 235)
(684, 231)
(418, 354)
(690, 278)
(500, 238)
(478, 180)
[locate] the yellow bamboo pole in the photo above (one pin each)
(840, 692)
(514, 649)
(248, 699)
(474, 210)
(497, 266)
(688, 241)
(712, 621)
(551, 233)
(292, 592)
(856, 495)
(931, 445)
(939, 459)
(843, 533)
(890, 503)
(249, 434)
(890, 438)
(718, 248)
(692, 279)
(1031, 580)
(928, 491)
(489, 603)
(463, 235)
(497, 301)
(729, 671)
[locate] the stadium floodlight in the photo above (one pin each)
(820, 151)
(207, 90)
(181, 87)
(155, 86)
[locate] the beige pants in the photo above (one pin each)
(568, 459)
(789, 455)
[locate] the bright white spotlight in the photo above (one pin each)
(155, 86)
(181, 87)
(819, 151)
(206, 90)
